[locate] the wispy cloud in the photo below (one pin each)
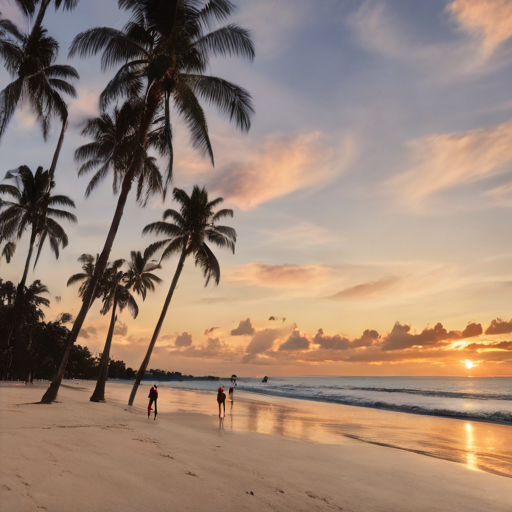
(500, 196)
(370, 289)
(444, 161)
(282, 276)
(282, 165)
(489, 21)
(484, 26)
(85, 105)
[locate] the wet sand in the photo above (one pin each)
(85, 456)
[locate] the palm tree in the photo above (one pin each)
(30, 60)
(33, 209)
(139, 275)
(117, 296)
(187, 234)
(88, 267)
(163, 52)
(30, 300)
(29, 8)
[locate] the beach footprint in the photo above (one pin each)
(325, 500)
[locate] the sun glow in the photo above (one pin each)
(469, 364)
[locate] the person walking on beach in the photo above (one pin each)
(231, 394)
(153, 397)
(221, 400)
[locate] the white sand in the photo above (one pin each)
(81, 456)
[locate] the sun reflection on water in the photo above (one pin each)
(471, 459)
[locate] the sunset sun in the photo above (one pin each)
(469, 364)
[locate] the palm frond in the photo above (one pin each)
(163, 228)
(229, 40)
(209, 264)
(222, 213)
(215, 10)
(193, 114)
(117, 47)
(233, 101)
(8, 251)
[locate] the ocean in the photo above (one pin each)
(472, 398)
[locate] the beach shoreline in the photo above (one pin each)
(87, 456)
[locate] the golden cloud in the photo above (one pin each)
(490, 21)
(280, 166)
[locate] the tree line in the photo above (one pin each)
(161, 61)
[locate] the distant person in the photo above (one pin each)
(221, 400)
(153, 397)
(231, 394)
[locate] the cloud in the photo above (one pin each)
(499, 326)
(183, 340)
(244, 328)
(499, 345)
(370, 289)
(282, 276)
(472, 330)
(120, 329)
(501, 195)
(441, 162)
(263, 341)
(280, 166)
(214, 347)
(85, 105)
(433, 345)
(400, 338)
(335, 342)
(489, 21)
(295, 342)
(483, 26)
(369, 337)
(210, 330)
(87, 332)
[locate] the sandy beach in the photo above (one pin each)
(83, 456)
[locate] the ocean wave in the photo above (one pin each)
(480, 415)
(409, 391)
(442, 394)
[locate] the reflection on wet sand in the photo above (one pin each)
(478, 445)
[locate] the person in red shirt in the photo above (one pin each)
(153, 397)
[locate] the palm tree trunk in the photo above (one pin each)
(57, 149)
(99, 390)
(40, 15)
(53, 390)
(144, 365)
(23, 281)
